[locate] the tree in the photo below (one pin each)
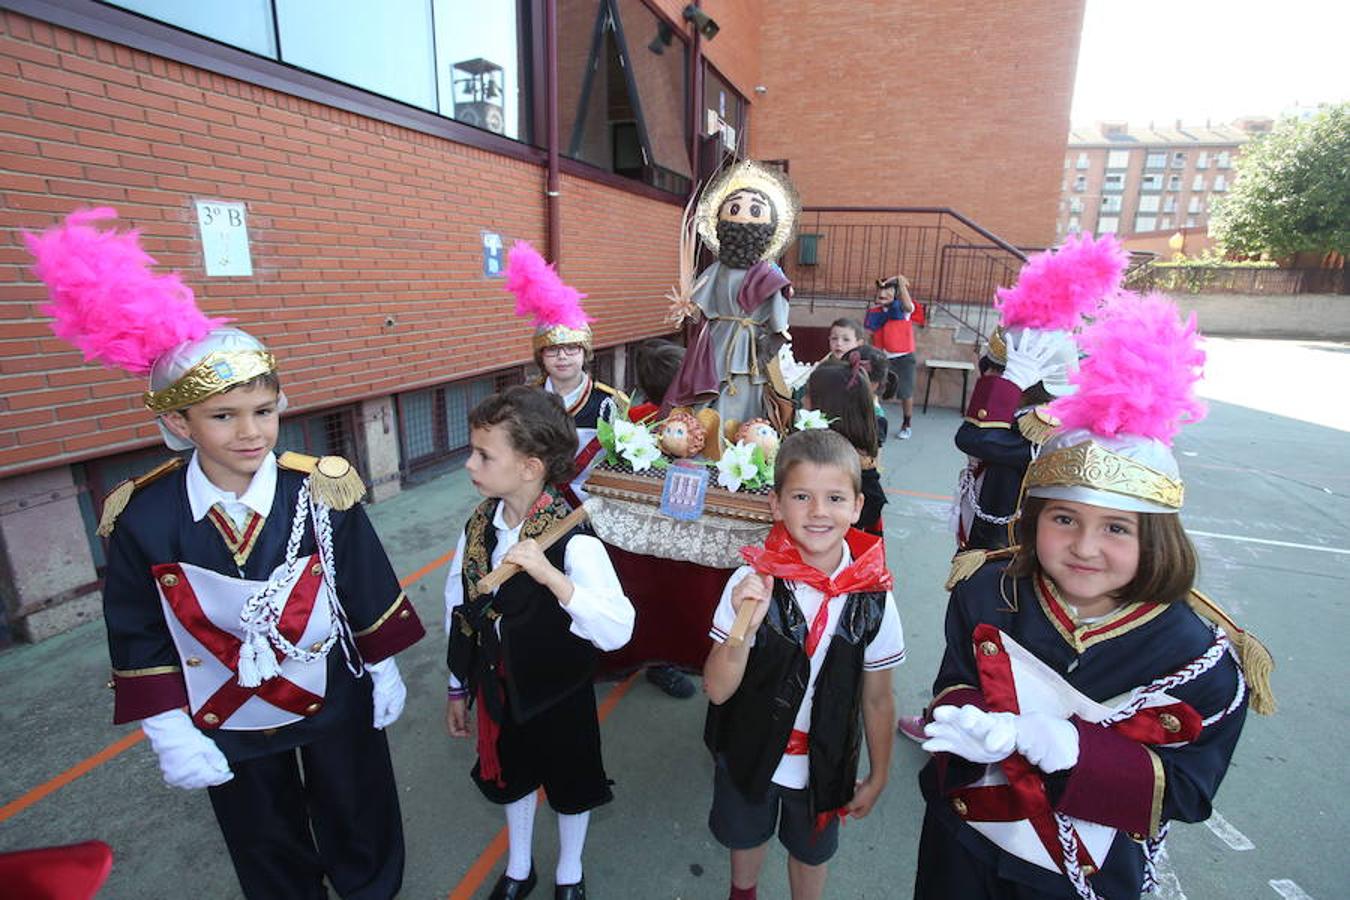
(1292, 192)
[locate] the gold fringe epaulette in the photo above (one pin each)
(1256, 661)
(621, 400)
(968, 562)
(120, 496)
(1037, 425)
(332, 480)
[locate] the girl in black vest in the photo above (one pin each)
(526, 653)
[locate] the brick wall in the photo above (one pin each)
(351, 221)
(961, 104)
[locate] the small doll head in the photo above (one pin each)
(682, 435)
(760, 433)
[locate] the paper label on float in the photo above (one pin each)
(684, 491)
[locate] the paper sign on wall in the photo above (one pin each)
(492, 255)
(224, 229)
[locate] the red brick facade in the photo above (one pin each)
(351, 221)
(960, 104)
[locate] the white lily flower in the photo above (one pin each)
(810, 418)
(625, 431)
(736, 466)
(636, 445)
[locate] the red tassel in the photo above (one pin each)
(489, 765)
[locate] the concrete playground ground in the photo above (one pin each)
(1268, 504)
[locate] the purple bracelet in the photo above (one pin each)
(458, 693)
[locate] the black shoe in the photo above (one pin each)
(510, 889)
(672, 681)
(570, 891)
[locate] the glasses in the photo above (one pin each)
(564, 350)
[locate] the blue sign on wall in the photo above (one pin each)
(493, 260)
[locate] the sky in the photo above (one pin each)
(1198, 60)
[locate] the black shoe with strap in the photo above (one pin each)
(508, 888)
(672, 681)
(570, 891)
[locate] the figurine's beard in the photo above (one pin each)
(742, 244)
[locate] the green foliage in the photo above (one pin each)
(1292, 192)
(604, 433)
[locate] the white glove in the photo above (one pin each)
(971, 733)
(188, 758)
(389, 691)
(1049, 744)
(1028, 358)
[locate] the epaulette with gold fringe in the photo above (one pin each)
(621, 400)
(120, 496)
(332, 480)
(1256, 661)
(1037, 425)
(968, 562)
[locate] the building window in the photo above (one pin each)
(1221, 159)
(456, 58)
(1108, 225)
(1082, 160)
(1075, 225)
(1151, 182)
(1174, 182)
(1220, 183)
(1080, 183)
(1076, 205)
(1111, 204)
(1202, 161)
(1156, 160)
(723, 112)
(1194, 205)
(1145, 223)
(1149, 203)
(1198, 183)
(1113, 182)
(621, 101)
(1169, 203)
(1118, 159)
(1179, 159)
(1190, 221)
(1165, 224)
(434, 422)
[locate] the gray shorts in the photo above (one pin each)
(903, 367)
(740, 823)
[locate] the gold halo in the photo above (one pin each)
(758, 177)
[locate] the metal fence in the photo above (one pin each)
(1237, 280)
(949, 260)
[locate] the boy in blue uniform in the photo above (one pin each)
(246, 597)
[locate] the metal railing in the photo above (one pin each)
(1236, 280)
(954, 266)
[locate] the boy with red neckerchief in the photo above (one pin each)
(823, 637)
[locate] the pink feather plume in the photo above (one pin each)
(1055, 289)
(540, 292)
(1140, 372)
(104, 297)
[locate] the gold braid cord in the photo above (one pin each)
(333, 481)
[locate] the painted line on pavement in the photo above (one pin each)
(1168, 886)
(1288, 890)
(1224, 831)
(127, 741)
(1254, 540)
(486, 862)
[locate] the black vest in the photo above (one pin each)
(537, 657)
(751, 729)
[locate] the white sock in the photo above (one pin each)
(520, 831)
(571, 841)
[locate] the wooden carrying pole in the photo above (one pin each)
(498, 576)
(742, 623)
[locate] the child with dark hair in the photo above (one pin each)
(845, 334)
(1088, 694)
(842, 392)
(656, 362)
(823, 637)
(889, 319)
(877, 365)
(526, 653)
